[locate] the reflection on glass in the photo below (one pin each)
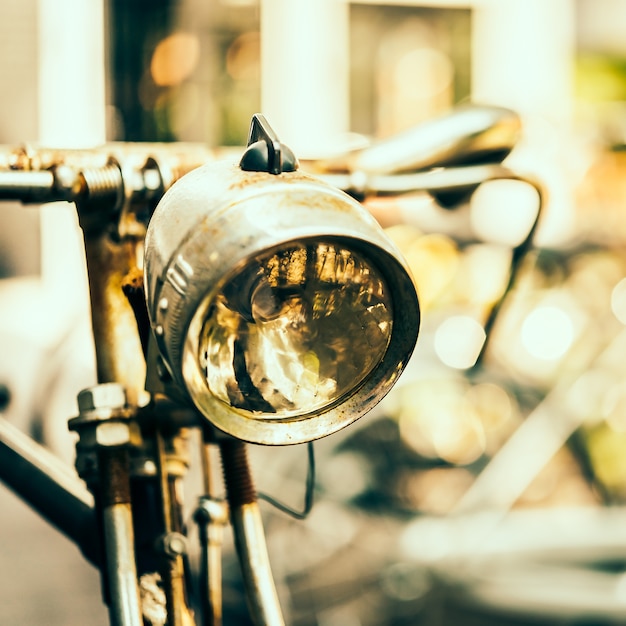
(295, 330)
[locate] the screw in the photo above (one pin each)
(174, 544)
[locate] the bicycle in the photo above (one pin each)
(263, 353)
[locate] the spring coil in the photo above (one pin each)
(239, 486)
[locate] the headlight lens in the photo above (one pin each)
(295, 330)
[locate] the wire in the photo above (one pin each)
(308, 494)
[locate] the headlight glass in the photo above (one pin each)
(295, 330)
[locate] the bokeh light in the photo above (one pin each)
(618, 301)
(437, 420)
(459, 340)
(483, 274)
(174, 59)
(243, 57)
(503, 211)
(548, 332)
(433, 260)
(495, 409)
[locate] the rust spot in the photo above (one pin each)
(253, 178)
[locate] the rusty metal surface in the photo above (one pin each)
(119, 355)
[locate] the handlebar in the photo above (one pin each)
(458, 150)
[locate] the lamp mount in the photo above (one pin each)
(265, 152)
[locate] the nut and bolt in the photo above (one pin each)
(173, 544)
(104, 418)
(104, 397)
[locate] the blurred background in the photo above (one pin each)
(489, 493)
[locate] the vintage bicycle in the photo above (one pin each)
(236, 300)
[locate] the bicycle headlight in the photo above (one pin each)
(277, 302)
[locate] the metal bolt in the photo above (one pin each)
(105, 419)
(107, 396)
(113, 433)
(174, 544)
(211, 510)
